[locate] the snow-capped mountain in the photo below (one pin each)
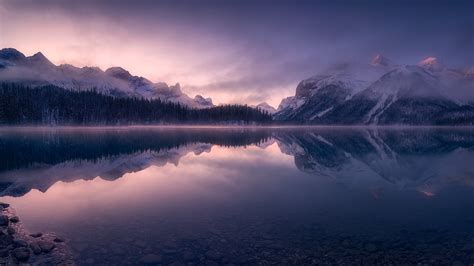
(265, 107)
(37, 70)
(431, 63)
(380, 60)
(43, 176)
(318, 95)
(405, 159)
(383, 93)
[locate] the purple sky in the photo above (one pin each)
(238, 51)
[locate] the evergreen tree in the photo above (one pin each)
(52, 105)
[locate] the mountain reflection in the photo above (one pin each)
(425, 159)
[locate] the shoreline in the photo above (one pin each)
(19, 246)
(178, 126)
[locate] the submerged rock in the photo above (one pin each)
(151, 259)
(59, 239)
(22, 254)
(5, 252)
(4, 220)
(14, 219)
(5, 240)
(11, 230)
(20, 243)
(36, 235)
(17, 245)
(213, 255)
(370, 247)
(35, 247)
(46, 246)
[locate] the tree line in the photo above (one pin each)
(52, 105)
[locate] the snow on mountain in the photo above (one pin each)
(469, 72)
(43, 176)
(380, 60)
(381, 158)
(319, 94)
(205, 102)
(382, 93)
(37, 70)
(265, 107)
(431, 63)
(405, 81)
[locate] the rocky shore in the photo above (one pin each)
(18, 246)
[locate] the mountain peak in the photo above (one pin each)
(39, 55)
(469, 72)
(431, 63)
(11, 54)
(206, 102)
(39, 59)
(380, 60)
(266, 107)
(118, 72)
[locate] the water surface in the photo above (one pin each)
(246, 195)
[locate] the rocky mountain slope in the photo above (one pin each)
(383, 93)
(37, 70)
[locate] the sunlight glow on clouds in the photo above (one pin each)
(233, 51)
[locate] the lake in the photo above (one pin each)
(223, 196)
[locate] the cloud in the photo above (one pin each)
(237, 50)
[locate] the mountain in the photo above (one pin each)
(318, 95)
(383, 92)
(405, 158)
(37, 70)
(41, 177)
(380, 60)
(33, 160)
(265, 107)
(363, 157)
(431, 63)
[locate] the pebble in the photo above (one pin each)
(18, 250)
(35, 247)
(188, 255)
(169, 251)
(151, 259)
(4, 252)
(46, 246)
(59, 239)
(370, 247)
(213, 255)
(468, 247)
(211, 263)
(4, 220)
(5, 240)
(20, 243)
(177, 263)
(11, 230)
(140, 243)
(36, 235)
(22, 254)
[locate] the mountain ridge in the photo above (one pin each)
(387, 93)
(37, 70)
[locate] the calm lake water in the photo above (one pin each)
(218, 196)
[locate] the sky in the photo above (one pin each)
(238, 51)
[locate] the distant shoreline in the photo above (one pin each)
(203, 126)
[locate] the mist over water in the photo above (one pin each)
(246, 195)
